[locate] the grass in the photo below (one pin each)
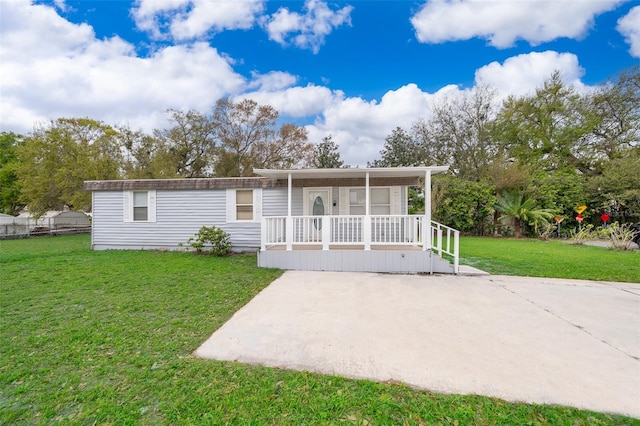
(105, 338)
(553, 259)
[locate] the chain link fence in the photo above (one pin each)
(25, 228)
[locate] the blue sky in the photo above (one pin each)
(352, 69)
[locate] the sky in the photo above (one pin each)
(354, 70)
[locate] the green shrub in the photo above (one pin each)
(621, 236)
(462, 204)
(215, 239)
(546, 230)
(583, 233)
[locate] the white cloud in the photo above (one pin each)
(503, 22)
(271, 81)
(62, 5)
(52, 68)
(39, 32)
(306, 31)
(190, 19)
(522, 74)
(359, 127)
(629, 27)
(297, 102)
(152, 16)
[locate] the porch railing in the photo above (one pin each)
(359, 230)
(446, 240)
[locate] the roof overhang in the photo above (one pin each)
(374, 172)
(270, 178)
(187, 184)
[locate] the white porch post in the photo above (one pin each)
(426, 237)
(289, 220)
(326, 231)
(367, 215)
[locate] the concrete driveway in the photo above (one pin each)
(539, 340)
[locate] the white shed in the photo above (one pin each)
(7, 219)
(70, 220)
(54, 219)
(12, 226)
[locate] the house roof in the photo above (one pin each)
(188, 184)
(374, 172)
(271, 178)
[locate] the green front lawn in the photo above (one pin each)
(105, 338)
(553, 259)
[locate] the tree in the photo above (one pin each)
(9, 187)
(249, 137)
(146, 157)
(522, 209)
(617, 190)
(542, 129)
(400, 149)
(560, 192)
(56, 159)
(326, 155)
(561, 129)
(506, 175)
(190, 144)
(459, 133)
(615, 108)
(462, 204)
(289, 148)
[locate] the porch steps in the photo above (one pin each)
(440, 265)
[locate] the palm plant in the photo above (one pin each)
(514, 204)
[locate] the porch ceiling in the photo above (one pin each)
(350, 172)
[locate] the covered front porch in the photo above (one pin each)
(322, 240)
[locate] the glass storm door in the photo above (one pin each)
(317, 203)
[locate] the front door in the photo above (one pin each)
(317, 203)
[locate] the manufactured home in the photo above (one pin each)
(347, 219)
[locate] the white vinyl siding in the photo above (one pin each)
(178, 214)
(397, 206)
(139, 206)
(274, 202)
(343, 201)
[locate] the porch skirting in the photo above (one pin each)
(393, 260)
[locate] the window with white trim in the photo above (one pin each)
(139, 206)
(244, 204)
(380, 200)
